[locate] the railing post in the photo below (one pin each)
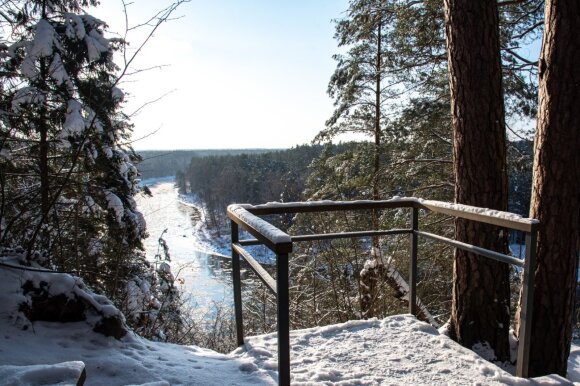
(413, 263)
(283, 319)
(527, 307)
(237, 285)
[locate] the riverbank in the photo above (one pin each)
(202, 268)
(214, 241)
(205, 239)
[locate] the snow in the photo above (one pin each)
(59, 74)
(268, 230)
(74, 26)
(96, 45)
(275, 204)
(166, 199)
(204, 272)
(117, 94)
(398, 350)
(74, 123)
(43, 40)
(392, 351)
(28, 67)
(115, 203)
(94, 122)
(480, 211)
(430, 204)
(66, 373)
(27, 95)
(574, 364)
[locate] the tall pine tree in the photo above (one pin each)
(481, 301)
(556, 189)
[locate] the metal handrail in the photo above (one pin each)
(246, 216)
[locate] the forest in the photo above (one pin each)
(445, 100)
(159, 163)
(292, 175)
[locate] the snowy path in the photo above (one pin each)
(398, 350)
(131, 361)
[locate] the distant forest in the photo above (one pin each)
(161, 163)
(224, 176)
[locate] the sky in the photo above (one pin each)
(235, 74)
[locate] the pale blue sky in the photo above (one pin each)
(245, 74)
(240, 74)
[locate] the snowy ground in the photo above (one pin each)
(130, 361)
(398, 350)
(394, 351)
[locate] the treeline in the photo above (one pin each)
(221, 177)
(161, 163)
(219, 180)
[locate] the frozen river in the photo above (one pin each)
(205, 277)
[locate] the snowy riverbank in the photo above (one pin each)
(197, 232)
(200, 267)
(205, 239)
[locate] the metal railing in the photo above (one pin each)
(246, 217)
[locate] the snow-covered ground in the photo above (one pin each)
(218, 242)
(398, 350)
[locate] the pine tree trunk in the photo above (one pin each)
(371, 277)
(43, 168)
(556, 188)
(480, 308)
(377, 128)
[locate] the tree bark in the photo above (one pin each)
(556, 188)
(480, 307)
(377, 123)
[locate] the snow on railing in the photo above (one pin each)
(246, 216)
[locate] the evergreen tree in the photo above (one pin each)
(68, 180)
(415, 131)
(358, 84)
